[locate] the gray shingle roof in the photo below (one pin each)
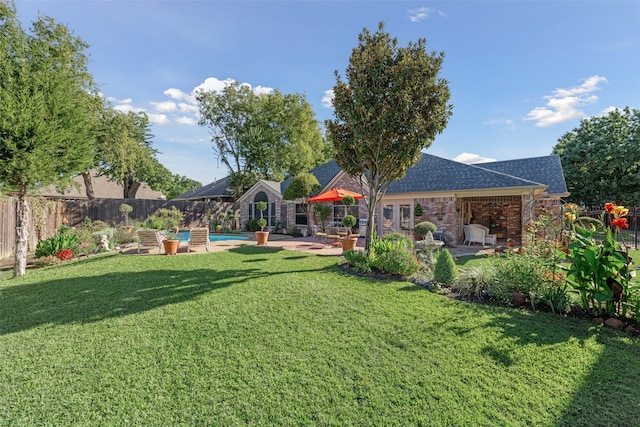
(219, 188)
(546, 170)
(434, 173)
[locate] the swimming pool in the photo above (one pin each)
(184, 236)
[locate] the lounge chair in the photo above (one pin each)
(150, 239)
(476, 233)
(199, 237)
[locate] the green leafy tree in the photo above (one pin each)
(45, 115)
(125, 151)
(302, 186)
(267, 136)
(601, 158)
(391, 107)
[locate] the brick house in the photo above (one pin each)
(504, 196)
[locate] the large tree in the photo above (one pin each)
(261, 136)
(601, 159)
(45, 92)
(125, 151)
(391, 106)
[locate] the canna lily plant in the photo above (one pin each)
(599, 266)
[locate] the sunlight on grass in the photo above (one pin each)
(266, 336)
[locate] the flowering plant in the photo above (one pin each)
(599, 269)
(64, 254)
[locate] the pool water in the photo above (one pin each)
(184, 236)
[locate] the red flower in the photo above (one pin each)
(64, 254)
(620, 223)
(609, 207)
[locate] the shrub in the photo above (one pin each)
(514, 273)
(399, 261)
(553, 295)
(445, 270)
(476, 281)
(402, 239)
(358, 260)
(252, 225)
(422, 228)
(46, 261)
(167, 219)
(55, 244)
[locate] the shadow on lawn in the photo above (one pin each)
(89, 299)
(608, 394)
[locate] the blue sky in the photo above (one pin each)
(521, 73)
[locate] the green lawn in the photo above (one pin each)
(262, 336)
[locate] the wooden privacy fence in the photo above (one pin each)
(108, 210)
(46, 215)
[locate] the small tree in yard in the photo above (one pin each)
(445, 270)
(391, 107)
(322, 212)
(349, 220)
(46, 93)
(302, 186)
(126, 210)
(261, 206)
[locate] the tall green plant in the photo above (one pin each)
(599, 269)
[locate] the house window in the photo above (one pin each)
(301, 214)
(340, 211)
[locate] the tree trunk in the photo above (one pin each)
(22, 234)
(130, 187)
(88, 185)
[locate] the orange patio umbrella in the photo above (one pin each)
(334, 195)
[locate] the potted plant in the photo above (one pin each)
(168, 221)
(171, 243)
(262, 236)
(348, 242)
(421, 229)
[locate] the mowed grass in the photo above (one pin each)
(260, 336)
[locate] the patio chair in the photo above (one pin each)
(148, 238)
(199, 237)
(475, 233)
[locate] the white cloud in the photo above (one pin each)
(564, 104)
(213, 84)
(185, 120)
(470, 158)
(422, 13)
(165, 107)
(216, 85)
(610, 110)
(119, 101)
(158, 119)
(509, 123)
(327, 99)
(126, 108)
(188, 108)
(262, 90)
